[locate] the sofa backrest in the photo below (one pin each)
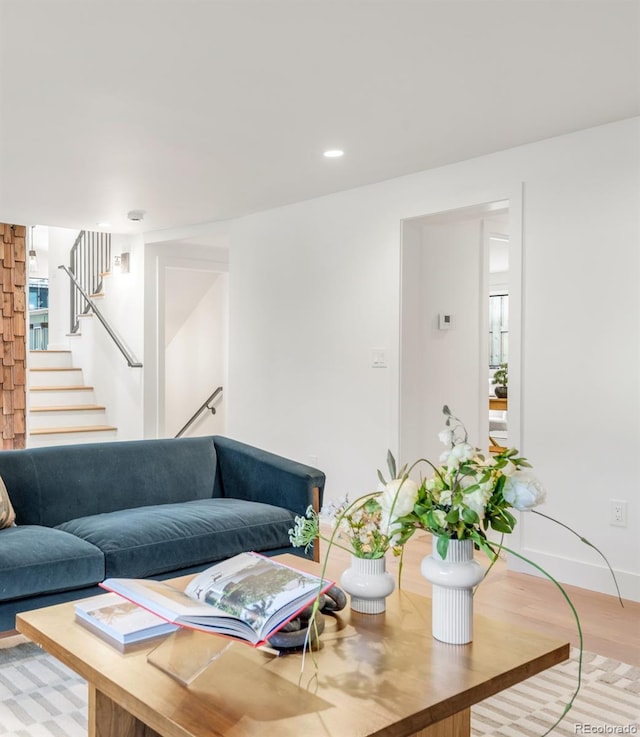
(48, 486)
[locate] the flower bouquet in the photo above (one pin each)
(365, 529)
(466, 496)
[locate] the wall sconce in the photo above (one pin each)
(33, 261)
(33, 256)
(121, 263)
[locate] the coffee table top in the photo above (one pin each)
(378, 675)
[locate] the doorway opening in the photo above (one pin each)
(448, 271)
(195, 348)
(186, 337)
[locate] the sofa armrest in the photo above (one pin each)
(246, 472)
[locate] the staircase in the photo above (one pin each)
(61, 409)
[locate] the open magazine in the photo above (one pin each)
(247, 597)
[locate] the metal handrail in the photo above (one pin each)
(131, 361)
(201, 410)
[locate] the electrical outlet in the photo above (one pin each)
(617, 513)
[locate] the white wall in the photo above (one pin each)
(196, 364)
(315, 286)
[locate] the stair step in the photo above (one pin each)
(68, 408)
(41, 439)
(58, 396)
(61, 376)
(49, 359)
(60, 388)
(62, 430)
(81, 416)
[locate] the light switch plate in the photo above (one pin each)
(379, 358)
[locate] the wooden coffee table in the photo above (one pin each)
(377, 675)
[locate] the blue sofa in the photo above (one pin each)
(137, 509)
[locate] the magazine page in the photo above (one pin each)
(255, 589)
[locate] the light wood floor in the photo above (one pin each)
(535, 603)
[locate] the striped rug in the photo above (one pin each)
(40, 697)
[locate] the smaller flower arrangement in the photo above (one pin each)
(369, 526)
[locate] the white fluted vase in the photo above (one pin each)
(368, 583)
(453, 579)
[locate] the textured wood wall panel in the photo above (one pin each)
(13, 374)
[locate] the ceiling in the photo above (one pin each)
(202, 110)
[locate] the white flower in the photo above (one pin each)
(398, 497)
(445, 436)
(523, 491)
(477, 500)
(445, 497)
(459, 454)
(440, 517)
(397, 500)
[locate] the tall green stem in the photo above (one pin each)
(586, 542)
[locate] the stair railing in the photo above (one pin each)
(199, 411)
(91, 305)
(89, 260)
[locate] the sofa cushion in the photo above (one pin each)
(39, 560)
(150, 540)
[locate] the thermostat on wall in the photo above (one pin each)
(445, 321)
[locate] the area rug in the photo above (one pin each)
(40, 697)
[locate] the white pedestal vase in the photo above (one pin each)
(453, 579)
(368, 584)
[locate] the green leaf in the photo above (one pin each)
(453, 516)
(381, 477)
(469, 516)
(442, 546)
(500, 526)
(391, 463)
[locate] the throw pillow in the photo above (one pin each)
(7, 515)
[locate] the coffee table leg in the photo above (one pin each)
(458, 724)
(108, 719)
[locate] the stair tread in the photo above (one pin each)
(59, 388)
(67, 407)
(87, 428)
(54, 368)
(52, 350)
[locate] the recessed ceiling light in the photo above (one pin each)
(334, 153)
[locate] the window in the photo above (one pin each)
(498, 330)
(38, 294)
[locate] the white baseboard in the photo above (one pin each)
(593, 576)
